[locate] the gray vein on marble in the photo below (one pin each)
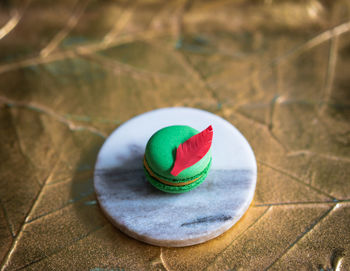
(155, 217)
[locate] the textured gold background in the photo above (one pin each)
(72, 71)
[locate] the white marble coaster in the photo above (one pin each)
(174, 220)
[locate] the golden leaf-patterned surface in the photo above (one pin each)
(73, 71)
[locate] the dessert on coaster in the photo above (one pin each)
(175, 177)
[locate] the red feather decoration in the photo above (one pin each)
(192, 150)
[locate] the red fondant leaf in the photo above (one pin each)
(192, 150)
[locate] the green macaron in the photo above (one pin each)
(160, 156)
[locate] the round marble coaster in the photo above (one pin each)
(174, 220)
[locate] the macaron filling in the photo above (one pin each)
(177, 189)
(161, 179)
(174, 181)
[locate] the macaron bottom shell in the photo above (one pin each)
(177, 189)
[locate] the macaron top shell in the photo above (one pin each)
(161, 153)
